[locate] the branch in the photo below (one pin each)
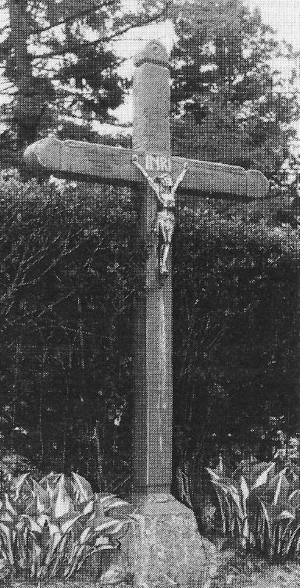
(104, 39)
(80, 14)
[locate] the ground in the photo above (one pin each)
(257, 574)
(263, 576)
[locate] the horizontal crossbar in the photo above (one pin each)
(106, 164)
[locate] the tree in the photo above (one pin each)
(58, 56)
(228, 103)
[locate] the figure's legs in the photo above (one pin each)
(166, 230)
(164, 256)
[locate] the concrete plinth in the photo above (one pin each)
(163, 547)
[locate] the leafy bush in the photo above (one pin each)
(260, 505)
(70, 254)
(50, 528)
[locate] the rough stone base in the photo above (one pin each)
(163, 547)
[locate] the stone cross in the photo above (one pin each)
(156, 177)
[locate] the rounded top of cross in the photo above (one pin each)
(154, 52)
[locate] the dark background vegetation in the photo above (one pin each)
(69, 251)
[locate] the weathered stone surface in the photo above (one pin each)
(151, 100)
(163, 547)
(114, 164)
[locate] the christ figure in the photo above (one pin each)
(165, 189)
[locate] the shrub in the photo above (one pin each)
(50, 528)
(260, 505)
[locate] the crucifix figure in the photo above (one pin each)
(165, 189)
(148, 169)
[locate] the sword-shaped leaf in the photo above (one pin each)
(89, 508)
(102, 541)
(8, 506)
(110, 501)
(263, 477)
(42, 497)
(84, 535)
(294, 499)
(63, 504)
(65, 527)
(8, 536)
(82, 488)
(106, 525)
(20, 483)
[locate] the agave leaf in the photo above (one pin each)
(63, 504)
(294, 498)
(82, 488)
(222, 511)
(42, 520)
(27, 521)
(89, 507)
(246, 529)
(263, 477)
(54, 530)
(118, 528)
(50, 481)
(55, 537)
(101, 541)
(98, 515)
(110, 501)
(36, 560)
(31, 507)
(288, 528)
(244, 488)
(118, 503)
(265, 518)
(75, 561)
(213, 474)
(5, 568)
(106, 525)
(58, 554)
(285, 514)
(281, 483)
(84, 535)
(20, 559)
(8, 536)
(19, 482)
(42, 498)
(64, 541)
(8, 506)
(45, 538)
(293, 537)
(237, 500)
(69, 523)
(66, 549)
(81, 560)
(49, 484)
(5, 517)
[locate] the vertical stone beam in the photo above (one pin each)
(152, 451)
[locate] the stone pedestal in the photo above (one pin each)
(164, 548)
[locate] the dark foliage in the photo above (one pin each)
(68, 278)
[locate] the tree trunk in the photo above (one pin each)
(27, 108)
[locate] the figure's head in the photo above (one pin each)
(165, 181)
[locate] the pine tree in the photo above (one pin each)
(58, 56)
(228, 103)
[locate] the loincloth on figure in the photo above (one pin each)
(166, 221)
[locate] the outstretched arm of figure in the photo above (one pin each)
(145, 174)
(179, 179)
